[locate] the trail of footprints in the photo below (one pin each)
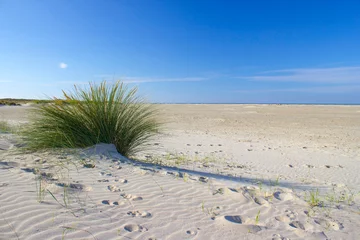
(130, 197)
(289, 217)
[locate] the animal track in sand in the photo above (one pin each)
(131, 197)
(135, 228)
(142, 214)
(113, 188)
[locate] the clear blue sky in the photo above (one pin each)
(184, 50)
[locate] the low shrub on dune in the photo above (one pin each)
(100, 113)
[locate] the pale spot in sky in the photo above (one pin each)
(63, 65)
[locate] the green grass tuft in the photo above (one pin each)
(98, 114)
(5, 127)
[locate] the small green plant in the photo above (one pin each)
(346, 196)
(313, 198)
(180, 159)
(185, 177)
(212, 212)
(40, 184)
(276, 182)
(65, 199)
(257, 218)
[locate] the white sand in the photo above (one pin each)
(225, 165)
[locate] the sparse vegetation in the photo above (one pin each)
(40, 188)
(257, 218)
(344, 196)
(100, 113)
(212, 212)
(313, 198)
(178, 159)
(5, 127)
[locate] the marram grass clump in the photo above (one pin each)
(101, 113)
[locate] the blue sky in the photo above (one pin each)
(184, 51)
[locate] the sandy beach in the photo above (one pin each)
(214, 172)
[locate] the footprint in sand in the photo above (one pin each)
(297, 224)
(30, 170)
(283, 196)
(327, 224)
(291, 214)
(103, 180)
(121, 180)
(236, 219)
(113, 188)
(203, 179)
(279, 237)
(192, 232)
(254, 228)
(131, 197)
(10, 164)
(135, 228)
(108, 202)
(284, 218)
(261, 201)
(142, 214)
(116, 167)
(75, 186)
(105, 174)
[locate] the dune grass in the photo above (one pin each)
(100, 113)
(5, 127)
